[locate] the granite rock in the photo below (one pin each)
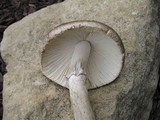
(29, 95)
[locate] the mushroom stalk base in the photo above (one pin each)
(79, 98)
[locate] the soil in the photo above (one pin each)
(14, 10)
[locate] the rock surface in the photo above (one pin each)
(10, 12)
(28, 95)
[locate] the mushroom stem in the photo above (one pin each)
(79, 98)
(77, 82)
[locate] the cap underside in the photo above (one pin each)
(104, 64)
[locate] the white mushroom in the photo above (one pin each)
(82, 55)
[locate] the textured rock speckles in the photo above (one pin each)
(129, 97)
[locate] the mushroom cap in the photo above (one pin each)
(106, 56)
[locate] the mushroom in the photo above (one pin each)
(82, 55)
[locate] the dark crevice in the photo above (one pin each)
(155, 112)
